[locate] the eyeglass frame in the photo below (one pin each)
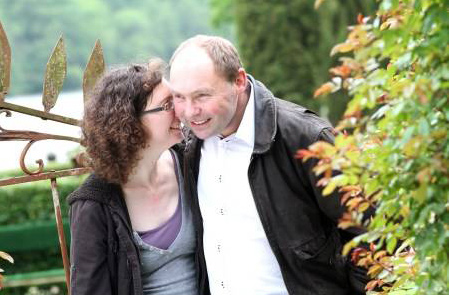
(167, 106)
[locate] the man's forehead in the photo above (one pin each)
(190, 89)
(191, 56)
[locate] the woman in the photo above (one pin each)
(131, 230)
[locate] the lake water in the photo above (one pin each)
(69, 104)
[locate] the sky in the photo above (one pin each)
(69, 104)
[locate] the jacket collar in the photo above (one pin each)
(99, 190)
(265, 117)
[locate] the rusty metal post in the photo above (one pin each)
(62, 242)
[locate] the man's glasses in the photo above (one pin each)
(168, 106)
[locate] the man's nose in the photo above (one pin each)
(191, 109)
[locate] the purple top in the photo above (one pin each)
(164, 235)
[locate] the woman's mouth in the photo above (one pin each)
(176, 127)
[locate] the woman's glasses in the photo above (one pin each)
(168, 106)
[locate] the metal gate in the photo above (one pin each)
(53, 80)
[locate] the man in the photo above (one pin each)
(263, 226)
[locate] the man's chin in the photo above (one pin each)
(201, 134)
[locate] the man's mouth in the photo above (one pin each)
(199, 123)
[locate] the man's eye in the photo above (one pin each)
(203, 96)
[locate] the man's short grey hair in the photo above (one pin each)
(221, 51)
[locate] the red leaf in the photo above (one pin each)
(360, 19)
(372, 284)
(304, 154)
(350, 188)
(342, 71)
(326, 88)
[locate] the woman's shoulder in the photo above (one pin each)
(94, 189)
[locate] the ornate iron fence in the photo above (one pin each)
(55, 74)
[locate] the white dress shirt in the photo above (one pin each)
(238, 257)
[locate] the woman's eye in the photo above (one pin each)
(168, 105)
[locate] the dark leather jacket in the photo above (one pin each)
(300, 224)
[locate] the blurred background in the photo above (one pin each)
(285, 44)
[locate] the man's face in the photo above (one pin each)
(204, 101)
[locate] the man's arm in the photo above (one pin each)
(332, 207)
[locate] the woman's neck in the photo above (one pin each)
(146, 173)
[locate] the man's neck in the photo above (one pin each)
(242, 101)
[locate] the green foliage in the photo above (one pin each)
(34, 261)
(395, 154)
(7, 257)
(129, 31)
(286, 44)
(32, 202)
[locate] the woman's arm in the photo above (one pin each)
(89, 248)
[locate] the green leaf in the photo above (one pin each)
(404, 61)
(423, 128)
(348, 246)
(421, 193)
(407, 135)
(330, 187)
(391, 244)
(400, 292)
(386, 5)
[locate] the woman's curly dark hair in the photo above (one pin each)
(112, 130)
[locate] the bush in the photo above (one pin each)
(394, 151)
(32, 202)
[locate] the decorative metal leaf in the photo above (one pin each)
(55, 74)
(6, 256)
(5, 63)
(94, 69)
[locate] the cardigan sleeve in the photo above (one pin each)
(89, 266)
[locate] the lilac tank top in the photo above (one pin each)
(164, 235)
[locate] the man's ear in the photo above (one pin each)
(241, 81)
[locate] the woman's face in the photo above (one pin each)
(163, 127)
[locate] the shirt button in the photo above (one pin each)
(222, 284)
(219, 248)
(221, 211)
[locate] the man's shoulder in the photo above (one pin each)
(296, 119)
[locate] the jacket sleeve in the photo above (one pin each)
(89, 266)
(332, 207)
(329, 205)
